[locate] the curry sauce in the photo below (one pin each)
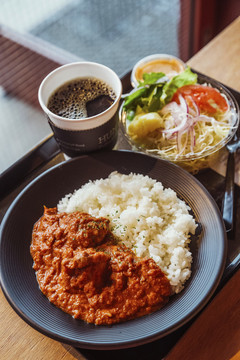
(83, 270)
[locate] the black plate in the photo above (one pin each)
(18, 279)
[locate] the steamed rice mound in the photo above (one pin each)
(147, 218)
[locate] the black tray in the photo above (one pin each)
(47, 154)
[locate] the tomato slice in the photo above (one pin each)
(208, 99)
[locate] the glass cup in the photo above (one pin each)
(85, 135)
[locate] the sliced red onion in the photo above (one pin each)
(194, 111)
(183, 103)
(179, 115)
(185, 117)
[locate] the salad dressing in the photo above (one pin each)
(170, 67)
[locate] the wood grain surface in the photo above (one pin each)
(19, 341)
(216, 332)
(218, 327)
(220, 58)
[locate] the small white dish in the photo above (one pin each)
(168, 64)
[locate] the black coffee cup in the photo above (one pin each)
(78, 136)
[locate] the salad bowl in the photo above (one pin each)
(200, 126)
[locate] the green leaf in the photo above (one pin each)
(185, 78)
(134, 96)
(151, 78)
(154, 105)
(130, 114)
(155, 91)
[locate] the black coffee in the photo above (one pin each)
(81, 98)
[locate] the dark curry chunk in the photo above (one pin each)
(82, 270)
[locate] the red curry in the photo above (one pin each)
(82, 270)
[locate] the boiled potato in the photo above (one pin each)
(143, 124)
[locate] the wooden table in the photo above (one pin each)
(216, 332)
(220, 58)
(218, 327)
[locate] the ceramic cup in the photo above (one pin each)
(77, 136)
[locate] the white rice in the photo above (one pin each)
(147, 218)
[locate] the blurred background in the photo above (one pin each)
(116, 33)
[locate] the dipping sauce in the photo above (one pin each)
(83, 270)
(170, 67)
(167, 64)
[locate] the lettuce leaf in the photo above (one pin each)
(185, 78)
(152, 78)
(155, 91)
(144, 88)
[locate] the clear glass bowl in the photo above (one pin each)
(191, 162)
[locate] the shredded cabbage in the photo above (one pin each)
(177, 134)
